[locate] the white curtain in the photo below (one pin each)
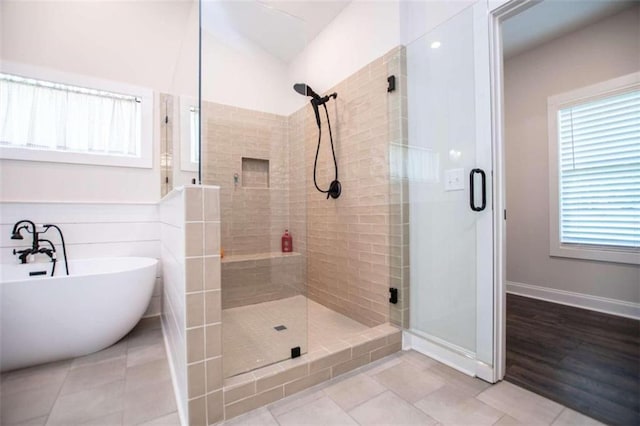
(44, 115)
(194, 119)
(414, 163)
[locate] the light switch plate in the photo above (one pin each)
(454, 180)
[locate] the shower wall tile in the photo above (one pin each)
(247, 153)
(203, 332)
(352, 249)
(194, 242)
(196, 380)
(192, 306)
(256, 279)
(212, 279)
(254, 213)
(215, 407)
(195, 309)
(212, 206)
(214, 340)
(198, 411)
(194, 270)
(193, 207)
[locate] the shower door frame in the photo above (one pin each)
(490, 15)
(498, 12)
(485, 362)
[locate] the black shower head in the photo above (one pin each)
(305, 90)
(17, 236)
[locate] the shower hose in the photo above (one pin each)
(334, 188)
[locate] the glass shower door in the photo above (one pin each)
(449, 173)
(246, 151)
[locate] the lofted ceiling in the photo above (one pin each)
(551, 19)
(280, 27)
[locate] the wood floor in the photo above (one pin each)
(583, 359)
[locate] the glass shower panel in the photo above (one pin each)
(440, 155)
(249, 150)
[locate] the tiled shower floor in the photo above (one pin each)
(250, 340)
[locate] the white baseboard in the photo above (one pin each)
(579, 300)
(438, 351)
(182, 411)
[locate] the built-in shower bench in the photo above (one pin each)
(234, 258)
(261, 277)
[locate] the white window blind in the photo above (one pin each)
(43, 115)
(599, 172)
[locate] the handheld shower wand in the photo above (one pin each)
(335, 188)
(316, 100)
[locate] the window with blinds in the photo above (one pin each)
(594, 171)
(599, 171)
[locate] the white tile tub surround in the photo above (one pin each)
(190, 249)
(90, 230)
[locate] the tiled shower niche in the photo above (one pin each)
(255, 173)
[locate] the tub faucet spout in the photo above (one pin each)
(16, 234)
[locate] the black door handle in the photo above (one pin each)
(472, 190)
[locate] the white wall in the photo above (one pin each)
(239, 73)
(604, 50)
(420, 17)
(185, 75)
(131, 42)
(90, 230)
(362, 32)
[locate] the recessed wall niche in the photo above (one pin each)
(255, 173)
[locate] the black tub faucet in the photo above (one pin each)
(23, 255)
(17, 235)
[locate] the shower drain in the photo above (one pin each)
(280, 327)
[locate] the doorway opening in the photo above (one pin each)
(570, 84)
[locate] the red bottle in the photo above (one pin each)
(287, 242)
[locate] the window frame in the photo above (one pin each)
(555, 103)
(145, 160)
(186, 103)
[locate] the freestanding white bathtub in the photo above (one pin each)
(47, 318)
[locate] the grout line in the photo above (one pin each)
(58, 393)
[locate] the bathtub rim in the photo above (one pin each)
(145, 262)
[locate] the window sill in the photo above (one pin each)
(597, 253)
(28, 154)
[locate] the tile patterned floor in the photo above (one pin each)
(250, 340)
(129, 384)
(126, 384)
(410, 389)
